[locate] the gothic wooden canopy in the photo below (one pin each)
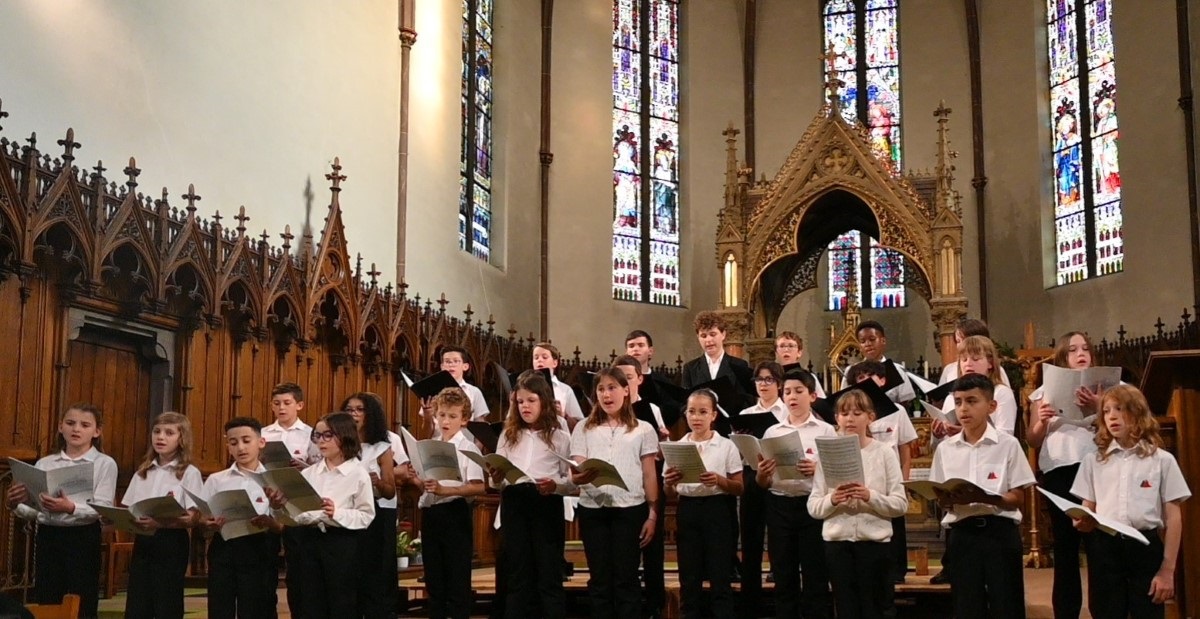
(771, 234)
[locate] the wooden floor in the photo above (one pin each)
(1037, 596)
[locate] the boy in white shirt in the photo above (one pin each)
(287, 400)
(793, 536)
(984, 542)
(446, 529)
(454, 361)
(546, 356)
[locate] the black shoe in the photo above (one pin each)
(735, 575)
(940, 578)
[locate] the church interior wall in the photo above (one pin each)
(248, 101)
(1153, 171)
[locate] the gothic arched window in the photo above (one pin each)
(645, 143)
(871, 96)
(475, 166)
(1083, 123)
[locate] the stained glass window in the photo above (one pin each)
(1083, 124)
(865, 36)
(645, 138)
(475, 166)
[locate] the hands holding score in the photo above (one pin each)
(766, 469)
(18, 494)
(855, 491)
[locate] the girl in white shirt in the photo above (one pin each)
(1061, 447)
(378, 590)
(706, 531)
(68, 535)
(615, 523)
(1132, 480)
(531, 509)
(752, 507)
(160, 560)
(546, 355)
(858, 517)
(328, 538)
(977, 355)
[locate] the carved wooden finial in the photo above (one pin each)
(358, 266)
(287, 237)
(241, 219)
(468, 312)
(833, 83)
(3, 114)
(403, 286)
(69, 145)
(263, 238)
(98, 172)
(32, 139)
(730, 132)
(192, 199)
(336, 177)
(374, 274)
(132, 172)
(216, 218)
(442, 302)
(942, 112)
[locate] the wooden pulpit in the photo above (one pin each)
(1171, 384)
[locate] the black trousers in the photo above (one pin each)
(861, 573)
(988, 577)
(1119, 574)
(610, 542)
(534, 537)
(654, 555)
(446, 533)
(68, 561)
(327, 571)
(243, 575)
(752, 510)
(706, 540)
(899, 548)
(796, 546)
(378, 588)
(1067, 595)
(291, 547)
(156, 573)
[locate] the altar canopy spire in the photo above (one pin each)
(833, 83)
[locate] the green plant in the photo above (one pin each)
(407, 545)
(1010, 365)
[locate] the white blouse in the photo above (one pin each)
(161, 481)
(537, 459)
(469, 470)
(349, 485)
(1129, 488)
(622, 447)
(1065, 443)
(104, 489)
(720, 456)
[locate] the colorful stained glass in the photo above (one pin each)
(871, 95)
(475, 164)
(1083, 103)
(844, 260)
(646, 150)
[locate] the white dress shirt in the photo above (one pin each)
(779, 409)
(349, 485)
(808, 430)
(622, 447)
(714, 365)
(566, 397)
(161, 481)
(720, 456)
(1005, 415)
(536, 459)
(370, 461)
(863, 521)
(104, 489)
(479, 407)
(1065, 443)
(469, 470)
(894, 430)
(297, 438)
(995, 463)
(1129, 488)
(234, 478)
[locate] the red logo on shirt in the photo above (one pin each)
(1145, 483)
(171, 493)
(889, 430)
(297, 452)
(991, 476)
(809, 451)
(258, 500)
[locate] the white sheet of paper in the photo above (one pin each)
(937, 413)
(841, 460)
(685, 458)
(300, 495)
(73, 481)
(158, 507)
(748, 447)
(275, 455)
(927, 488)
(606, 474)
(920, 382)
(787, 451)
(1108, 525)
(1060, 384)
(511, 473)
(234, 506)
(121, 518)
